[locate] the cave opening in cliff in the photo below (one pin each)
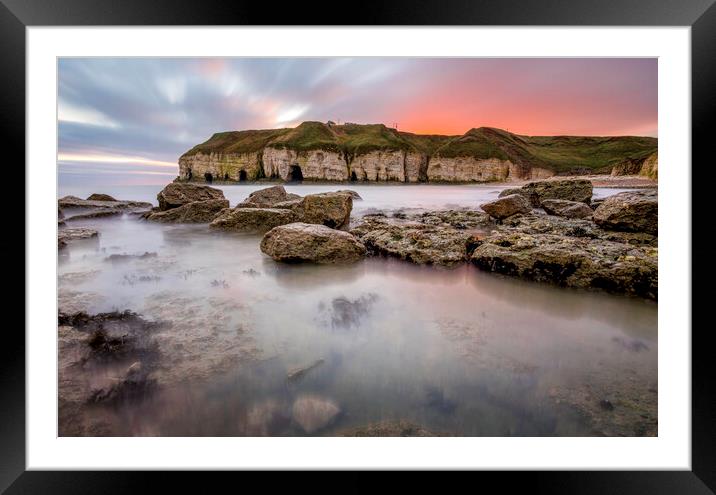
(208, 177)
(226, 176)
(354, 177)
(295, 174)
(242, 175)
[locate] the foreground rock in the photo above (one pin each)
(100, 197)
(572, 262)
(75, 202)
(252, 220)
(568, 209)
(195, 212)
(507, 206)
(399, 428)
(414, 241)
(632, 211)
(267, 198)
(297, 242)
(313, 413)
(332, 209)
(65, 236)
(178, 194)
(579, 190)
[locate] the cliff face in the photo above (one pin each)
(352, 152)
(219, 166)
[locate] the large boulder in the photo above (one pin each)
(414, 241)
(568, 189)
(572, 262)
(253, 220)
(632, 211)
(332, 209)
(313, 413)
(507, 206)
(267, 198)
(100, 197)
(568, 209)
(300, 241)
(177, 194)
(195, 212)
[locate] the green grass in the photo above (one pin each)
(558, 153)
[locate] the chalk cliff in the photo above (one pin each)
(352, 152)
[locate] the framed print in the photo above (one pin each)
(440, 231)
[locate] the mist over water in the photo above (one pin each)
(457, 351)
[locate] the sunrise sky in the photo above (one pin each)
(128, 116)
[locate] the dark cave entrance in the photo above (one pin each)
(242, 175)
(189, 174)
(208, 177)
(295, 174)
(226, 176)
(354, 177)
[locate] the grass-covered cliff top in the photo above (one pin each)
(559, 153)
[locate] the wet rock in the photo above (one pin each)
(353, 194)
(133, 384)
(177, 194)
(100, 197)
(313, 413)
(254, 220)
(122, 258)
(287, 205)
(332, 209)
(459, 219)
(108, 212)
(507, 206)
(267, 198)
(297, 242)
(399, 428)
(346, 313)
(60, 215)
(564, 208)
(194, 212)
(632, 211)
(572, 262)
(413, 241)
(75, 202)
(513, 190)
(67, 235)
(297, 374)
(568, 189)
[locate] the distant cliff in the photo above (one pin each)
(374, 152)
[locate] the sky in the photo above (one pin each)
(122, 117)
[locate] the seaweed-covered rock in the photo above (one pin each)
(631, 211)
(267, 198)
(332, 209)
(421, 243)
(304, 242)
(177, 194)
(572, 262)
(580, 190)
(194, 212)
(507, 206)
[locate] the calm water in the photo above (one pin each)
(458, 351)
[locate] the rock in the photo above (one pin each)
(345, 313)
(632, 211)
(507, 206)
(572, 262)
(194, 212)
(108, 212)
(60, 215)
(564, 208)
(314, 243)
(121, 258)
(313, 413)
(413, 241)
(296, 374)
(287, 205)
(100, 197)
(255, 220)
(177, 194)
(568, 189)
(332, 209)
(399, 428)
(64, 236)
(75, 202)
(267, 198)
(512, 190)
(353, 194)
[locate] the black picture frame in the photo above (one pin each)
(17, 15)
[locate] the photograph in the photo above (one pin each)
(357, 246)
